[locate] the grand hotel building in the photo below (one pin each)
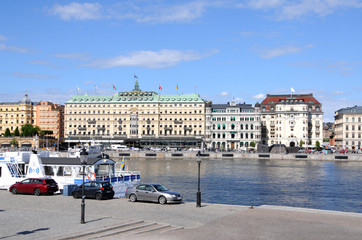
(137, 118)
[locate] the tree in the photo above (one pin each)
(7, 132)
(13, 142)
(301, 143)
(16, 132)
(29, 130)
(317, 145)
(252, 144)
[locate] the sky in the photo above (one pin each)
(224, 50)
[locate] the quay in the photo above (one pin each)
(236, 155)
(58, 217)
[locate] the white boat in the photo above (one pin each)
(16, 166)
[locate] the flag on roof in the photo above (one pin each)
(159, 87)
(292, 89)
(177, 87)
(135, 76)
(114, 87)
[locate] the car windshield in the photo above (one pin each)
(106, 184)
(160, 188)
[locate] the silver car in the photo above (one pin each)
(152, 193)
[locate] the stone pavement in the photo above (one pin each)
(58, 217)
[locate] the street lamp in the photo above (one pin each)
(83, 161)
(198, 194)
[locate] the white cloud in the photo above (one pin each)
(3, 38)
(72, 56)
(224, 94)
(238, 99)
(32, 75)
(280, 51)
(284, 9)
(175, 13)
(338, 92)
(4, 47)
(259, 96)
(149, 59)
(77, 11)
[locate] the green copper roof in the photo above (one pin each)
(135, 96)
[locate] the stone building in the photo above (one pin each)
(232, 126)
(16, 114)
(137, 118)
(50, 117)
(348, 128)
(290, 119)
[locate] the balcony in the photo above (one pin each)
(188, 128)
(101, 128)
(119, 127)
(120, 121)
(178, 121)
(168, 128)
(92, 121)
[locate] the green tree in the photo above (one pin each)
(16, 132)
(14, 142)
(29, 130)
(301, 143)
(7, 132)
(317, 145)
(252, 144)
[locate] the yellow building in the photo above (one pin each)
(16, 114)
(138, 118)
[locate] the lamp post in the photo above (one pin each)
(83, 161)
(198, 194)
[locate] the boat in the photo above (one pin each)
(16, 166)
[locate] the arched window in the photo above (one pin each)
(241, 126)
(232, 126)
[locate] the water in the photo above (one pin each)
(308, 184)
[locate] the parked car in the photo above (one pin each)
(35, 186)
(153, 193)
(343, 151)
(95, 189)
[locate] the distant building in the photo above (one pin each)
(289, 119)
(348, 128)
(50, 117)
(137, 118)
(232, 126)
(16, 114)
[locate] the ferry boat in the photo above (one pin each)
(16, 166)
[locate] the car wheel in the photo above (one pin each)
(162, 200)
(76, 195)
(99, 196)
(133, 198)
(36, 191)
(14, 190)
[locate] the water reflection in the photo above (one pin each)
(312, 184)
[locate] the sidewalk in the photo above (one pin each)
(57, 217)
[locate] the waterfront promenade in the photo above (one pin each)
(58, 217)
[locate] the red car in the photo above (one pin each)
(343, 151)
(35, 186)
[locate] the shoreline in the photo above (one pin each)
(355, 157)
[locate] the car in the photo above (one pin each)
(153, 193)
(343, 151)
(35, 186)
(94, 189)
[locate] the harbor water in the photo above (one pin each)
(323, 185)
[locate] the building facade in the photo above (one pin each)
(137, 117)
(232, 126)
(16, 114)
(290, 119)
(348, 128)
(50, 117)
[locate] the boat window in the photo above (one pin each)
(60, 171)
(48, 170)
(67, 171)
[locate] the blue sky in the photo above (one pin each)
(222, 49)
